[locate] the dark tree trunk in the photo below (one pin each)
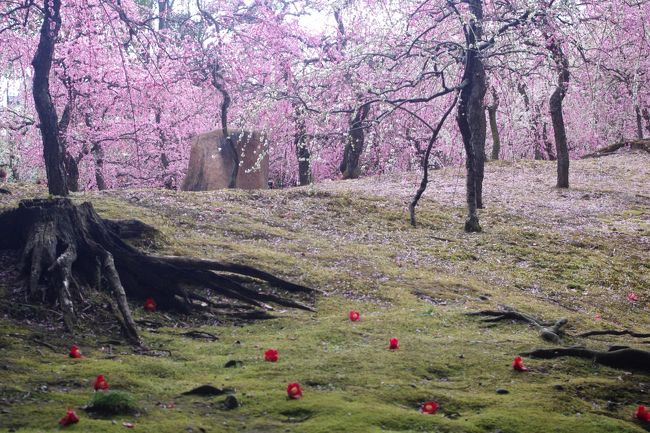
(494, 128)
(163, 11)
(547, 143)
(68, 249)
(72, 172)
(230, 143)
(302, 151)
(354, 145)
(557, 116)
(53, 149)
(230, 150)
(14, 167)
(646, 115)
(639, 123)
(98, 156)
(471, 115)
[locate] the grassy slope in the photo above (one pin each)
(552, 253)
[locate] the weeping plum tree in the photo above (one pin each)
(557, 114)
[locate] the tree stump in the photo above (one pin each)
(66, 250)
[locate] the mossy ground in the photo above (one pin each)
(551, 253)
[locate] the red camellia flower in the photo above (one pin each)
(294, 391)
(271, 355)
(100, 383)
(69, 418)
(632, 297)
(150, 305)
(354, 316)
(430, 407)
(75, 352)
(518, 364)
(642, 414)
(394, 344)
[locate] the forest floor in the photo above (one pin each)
(552, 253)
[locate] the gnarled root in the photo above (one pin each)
(549, 331)
(615, 332)
(66, 248)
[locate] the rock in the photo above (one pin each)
(502, 391)
(233, 363)
(211, 164)
(230, 403)
(208, 390)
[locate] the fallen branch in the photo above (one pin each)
(632, 144)
(621, 358)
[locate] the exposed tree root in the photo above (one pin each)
(549, 331)
(615, 332)
(622, 357)
(68, 250)
(200, 335)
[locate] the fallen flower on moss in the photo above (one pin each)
(70, 418)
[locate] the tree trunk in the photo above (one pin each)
(639, 123)
(98, 156)
(163, 11)
(425, 162)
(302, 151)
(471, 115)
(230, 150)
(557, 116)
(534, 121)
(230, 143)
(67, 249)
(646, 116)
(71, 172)
(53, 149)
(494, 128)
(354, 145)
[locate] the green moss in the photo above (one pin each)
(112, 403)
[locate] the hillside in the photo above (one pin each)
(576, 253)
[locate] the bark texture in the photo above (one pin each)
(53, 149)
(557, 115)
(471, 116)
(302, 151)
(354, 145)
(494, 127)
